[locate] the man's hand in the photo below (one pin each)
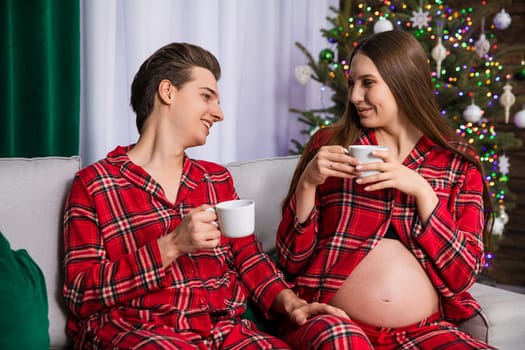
(302, 313)
(197, 231)
(299, 311)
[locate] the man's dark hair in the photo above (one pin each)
(173, 62)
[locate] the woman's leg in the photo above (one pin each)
(432, 333)
(326, 332)
(438, 335)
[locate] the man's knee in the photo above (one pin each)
(331, 332)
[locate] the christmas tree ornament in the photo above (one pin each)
(504, 164)
(472, 113)
(334, 34)
(507, 99)
(383, 25)
(303, 74)
(482, 46)
(420, 18)
(502, 20)
(439, 53)
(519, 118)
(326, 56)
(498, 227)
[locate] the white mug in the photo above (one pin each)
(236, 217)
(363, 153)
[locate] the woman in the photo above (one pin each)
(399, 249)
(145, 265)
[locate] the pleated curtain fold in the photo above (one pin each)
(39, 78)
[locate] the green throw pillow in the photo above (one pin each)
(23, 301)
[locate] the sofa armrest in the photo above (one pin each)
(504, 315)
(477, 326)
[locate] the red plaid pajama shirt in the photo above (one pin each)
(348, 222)
(117, 291)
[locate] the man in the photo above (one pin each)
(145, 266)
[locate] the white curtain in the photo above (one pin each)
(254, 40)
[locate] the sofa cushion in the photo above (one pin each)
(266, 181)
(23, 300)
(32, 193)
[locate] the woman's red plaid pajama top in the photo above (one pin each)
(115, 212)
(348, 222)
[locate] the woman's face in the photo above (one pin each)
(371, 96)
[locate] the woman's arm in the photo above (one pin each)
(453, 234)
(295, 241)
(297, 232)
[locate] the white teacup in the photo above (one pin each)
(236, 217)
(363, 153)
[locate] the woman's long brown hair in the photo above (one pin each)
(403, 65)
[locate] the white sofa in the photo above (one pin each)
(32, 193)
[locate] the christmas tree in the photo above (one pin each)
(472, 87)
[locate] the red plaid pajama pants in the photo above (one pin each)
(327, 332)
(226, 335)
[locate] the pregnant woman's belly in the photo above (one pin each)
(389, 288)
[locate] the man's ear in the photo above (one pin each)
(166, 91)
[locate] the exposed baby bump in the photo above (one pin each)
(388, 288)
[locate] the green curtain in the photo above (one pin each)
(39, 77)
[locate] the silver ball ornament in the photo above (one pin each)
(519, 119)
(502, 20)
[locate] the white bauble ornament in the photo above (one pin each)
(383, 25)
(472, 113)
(438, 53)
(507, 99)
(519, 118)
(482, 46)
(498, 227)
(303, 74)
(502, 20)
